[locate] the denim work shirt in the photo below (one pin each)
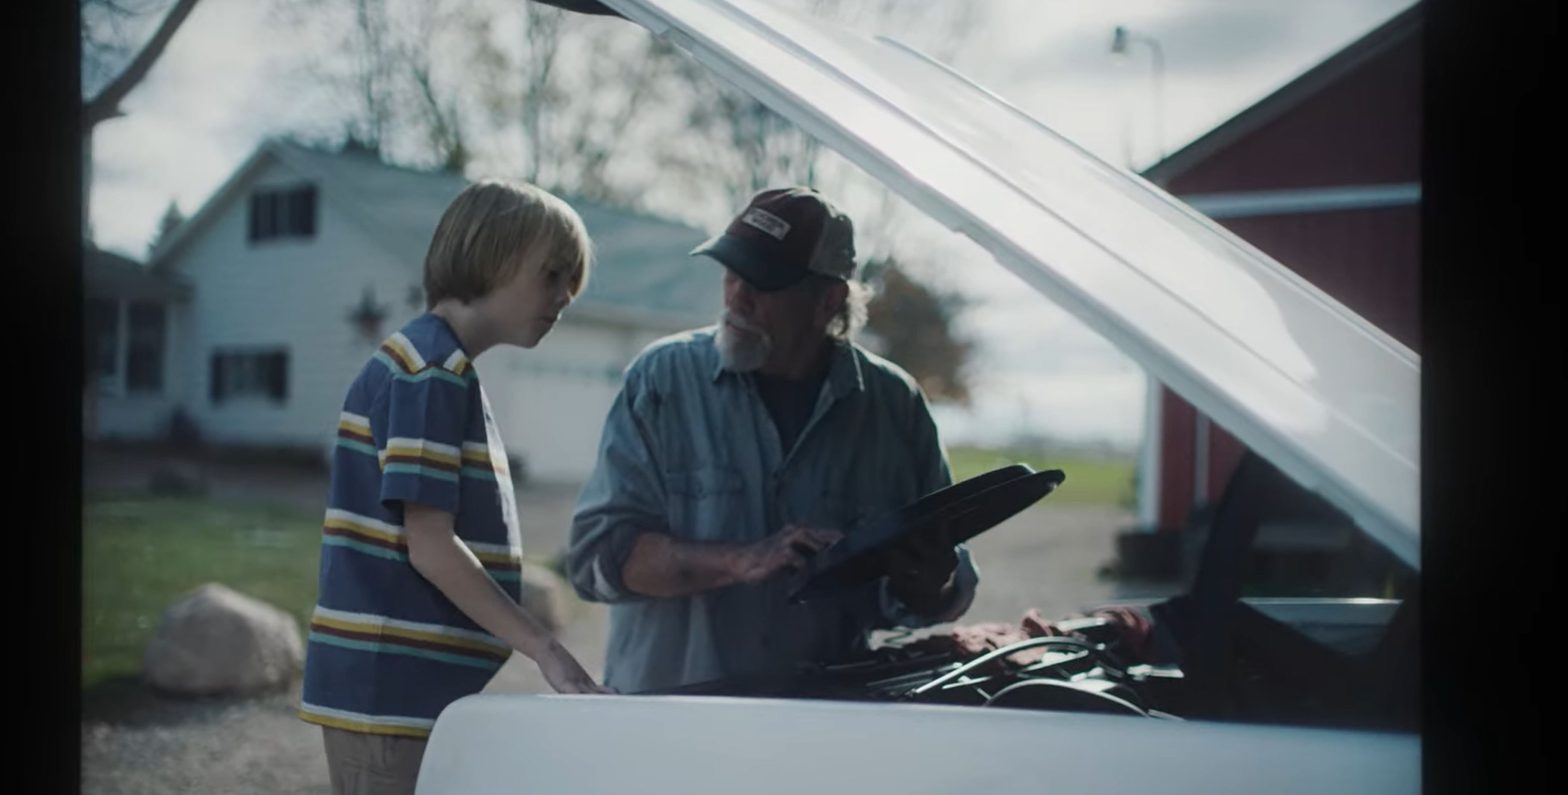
(690, 450)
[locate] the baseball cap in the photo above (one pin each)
(782, 235)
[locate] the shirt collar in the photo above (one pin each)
(844, 373)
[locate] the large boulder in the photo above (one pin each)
(216, 640)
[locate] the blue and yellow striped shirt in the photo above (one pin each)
(386, 650)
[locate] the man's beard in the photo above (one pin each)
(741, 351)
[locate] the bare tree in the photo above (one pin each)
(103, 38)
(588, 106)
(386, 65)
(438, 111)
(171, 220)
(598, 110)
(372, 72)
(106, 50)
(542, 43)
(449, 83)
(750, 147)
(758, 147)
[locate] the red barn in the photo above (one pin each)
(1324, 175)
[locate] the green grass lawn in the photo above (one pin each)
(1089, 481)
(141, 554)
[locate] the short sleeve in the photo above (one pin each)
(421, 446)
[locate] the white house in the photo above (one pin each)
(255, 314)
(130, 332)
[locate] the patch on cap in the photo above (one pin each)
(768, 222)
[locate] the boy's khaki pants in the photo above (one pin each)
(372, 764)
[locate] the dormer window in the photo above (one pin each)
(283, 213)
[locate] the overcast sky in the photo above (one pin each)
(220, 88)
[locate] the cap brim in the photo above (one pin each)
(747, 262)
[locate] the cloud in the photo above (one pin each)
(143, 161)
(1220, 57)
(225, 81)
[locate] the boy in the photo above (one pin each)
(421, 556)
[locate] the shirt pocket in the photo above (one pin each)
(706, 503)
(848, 511)
(862, 489)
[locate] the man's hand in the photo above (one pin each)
(921, 571)
(564, 673)
(784, 551)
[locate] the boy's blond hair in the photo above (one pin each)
(492, 230)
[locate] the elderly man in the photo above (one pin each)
(735, 452)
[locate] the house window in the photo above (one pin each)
(103, 337)
(144, 348)
(249, 374)
(283, 213)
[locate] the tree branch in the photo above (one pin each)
(107, 104)
(583, 7)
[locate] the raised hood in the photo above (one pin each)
(1326, 396)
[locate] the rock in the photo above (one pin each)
(543, 596)
(216, 640)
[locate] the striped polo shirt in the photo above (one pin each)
(387, 651)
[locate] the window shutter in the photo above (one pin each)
(307, 211)
(278, 376)
(215, 378)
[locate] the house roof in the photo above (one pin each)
(1403, 25)
(109, 275)
(642, 271)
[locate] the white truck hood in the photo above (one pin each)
(621, 744)
(1326, 396)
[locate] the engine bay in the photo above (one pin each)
(1215, 652)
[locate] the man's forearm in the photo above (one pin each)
(662, 566)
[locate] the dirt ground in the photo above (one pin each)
(135, 742)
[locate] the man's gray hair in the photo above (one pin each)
(851, 315)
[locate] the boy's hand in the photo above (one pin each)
(564, 673)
